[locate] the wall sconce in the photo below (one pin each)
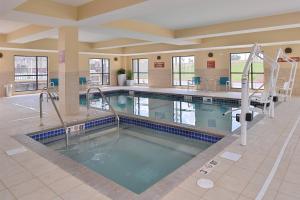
(210, 55)
(158, 57)
(1, 55)
(288, 50)
(115, 59)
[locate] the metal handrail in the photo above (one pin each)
(105, 99)
(45, 91)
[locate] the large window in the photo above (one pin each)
(256, 73)
(99, 71)
(31, 73)
(183, 70)
(140, 70)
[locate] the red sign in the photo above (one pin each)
(211, 64)
(296, 59)
(159, 65)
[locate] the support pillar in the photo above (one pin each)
(68, 70)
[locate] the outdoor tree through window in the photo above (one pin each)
(256, 73)
(31, 73)
(99, 71)
(183, 70)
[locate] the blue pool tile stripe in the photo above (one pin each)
(163, 128)
(60, 131)
(100, 122)
(192, 134)
(48, 134)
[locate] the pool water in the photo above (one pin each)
(171, 109)
(134, 157)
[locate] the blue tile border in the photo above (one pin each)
(181, 131)
(47, 134)
(110, 120)
(100, 122)
(60, 131)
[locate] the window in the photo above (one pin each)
(183, 70)
(256, 73)
(140, 71)
(31, 73)
(99, 71)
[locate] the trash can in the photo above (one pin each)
(8, 90)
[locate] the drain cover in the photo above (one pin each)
(12, 152)
(231, 156)
(205, 183)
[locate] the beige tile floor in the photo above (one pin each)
(29, 176)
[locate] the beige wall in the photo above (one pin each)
(7, 66)
(158, 77)
(162, 77)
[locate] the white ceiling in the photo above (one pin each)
(178, 14)
(173, 14)
(7, 26)
(73, 2)
(86, 36)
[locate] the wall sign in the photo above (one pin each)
(159, 64)
(76, 129)
(297, 59)
(211, 64)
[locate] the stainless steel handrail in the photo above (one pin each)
(45, 91)
(105, 99)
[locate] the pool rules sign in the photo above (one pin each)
(159, 64)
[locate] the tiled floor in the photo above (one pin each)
(243, 179)
(29, 176)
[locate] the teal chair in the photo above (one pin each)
(82, 83)
(196, 80)
(54, 82)
(224, 81)
(82, 80)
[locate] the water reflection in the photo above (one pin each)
(189, 113)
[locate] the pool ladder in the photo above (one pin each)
(105, 99)
(46, 91)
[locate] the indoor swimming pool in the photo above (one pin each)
(134, 157)
(177, 109)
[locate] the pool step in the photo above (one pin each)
(163, 142)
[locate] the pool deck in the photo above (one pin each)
(28, 176)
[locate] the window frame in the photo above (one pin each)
(251, 73)
(101, 73)
(138, 70)
(36, 75)
(180, 82)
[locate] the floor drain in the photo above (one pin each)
(231, 156)
(12, 152)
(205, 183)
